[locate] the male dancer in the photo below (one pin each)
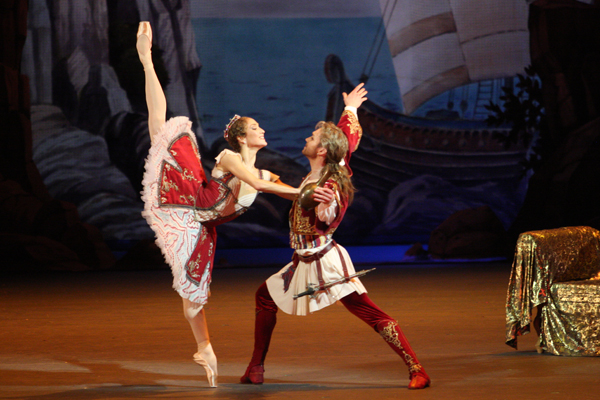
(318, 258)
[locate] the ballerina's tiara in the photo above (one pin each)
(231, 122)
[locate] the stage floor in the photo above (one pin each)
(122, 335)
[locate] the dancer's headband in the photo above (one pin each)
(231, 122)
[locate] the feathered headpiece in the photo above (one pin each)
(231, 122)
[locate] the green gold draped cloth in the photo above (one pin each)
(557, 269)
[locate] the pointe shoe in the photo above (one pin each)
(144, 29)
(254, 375)
(206, 358)
(143, 48)
(419, 381)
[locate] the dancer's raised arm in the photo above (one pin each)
(155, 97)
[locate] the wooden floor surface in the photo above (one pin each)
(122, 335)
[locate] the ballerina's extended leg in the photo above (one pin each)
(155, 96)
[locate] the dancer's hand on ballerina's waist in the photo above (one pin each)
(323, 195)
(327, 208)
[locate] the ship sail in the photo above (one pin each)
(438, 45)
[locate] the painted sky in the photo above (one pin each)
(284, 8)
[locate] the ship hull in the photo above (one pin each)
(396, 147)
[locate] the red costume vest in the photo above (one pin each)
(306, 230)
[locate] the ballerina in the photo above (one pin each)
(183, 207)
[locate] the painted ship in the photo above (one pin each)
(436, 48)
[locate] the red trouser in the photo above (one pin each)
(359, 305)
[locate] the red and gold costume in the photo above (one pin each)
(311, 234)
(183, 207)
(318, 260)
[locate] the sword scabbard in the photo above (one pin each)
(311, 289)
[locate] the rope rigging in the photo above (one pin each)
(378, 40)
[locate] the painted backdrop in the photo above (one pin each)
(429, 67)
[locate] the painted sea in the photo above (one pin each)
(272, 70)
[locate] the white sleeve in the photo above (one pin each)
(226, 151)
(352, 109)
(327, 212)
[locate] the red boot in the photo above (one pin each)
(392, 334)
(264, 324)
(253, 375)
(419, 380)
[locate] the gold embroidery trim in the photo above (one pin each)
(168, 185)
(189, 199)
(354, 125)
(300, 224)
(390, 335)
(189, 175)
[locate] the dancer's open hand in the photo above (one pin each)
(356, 97)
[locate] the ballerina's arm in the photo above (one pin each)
(233, 164)
(277, 180)
(321, 195)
